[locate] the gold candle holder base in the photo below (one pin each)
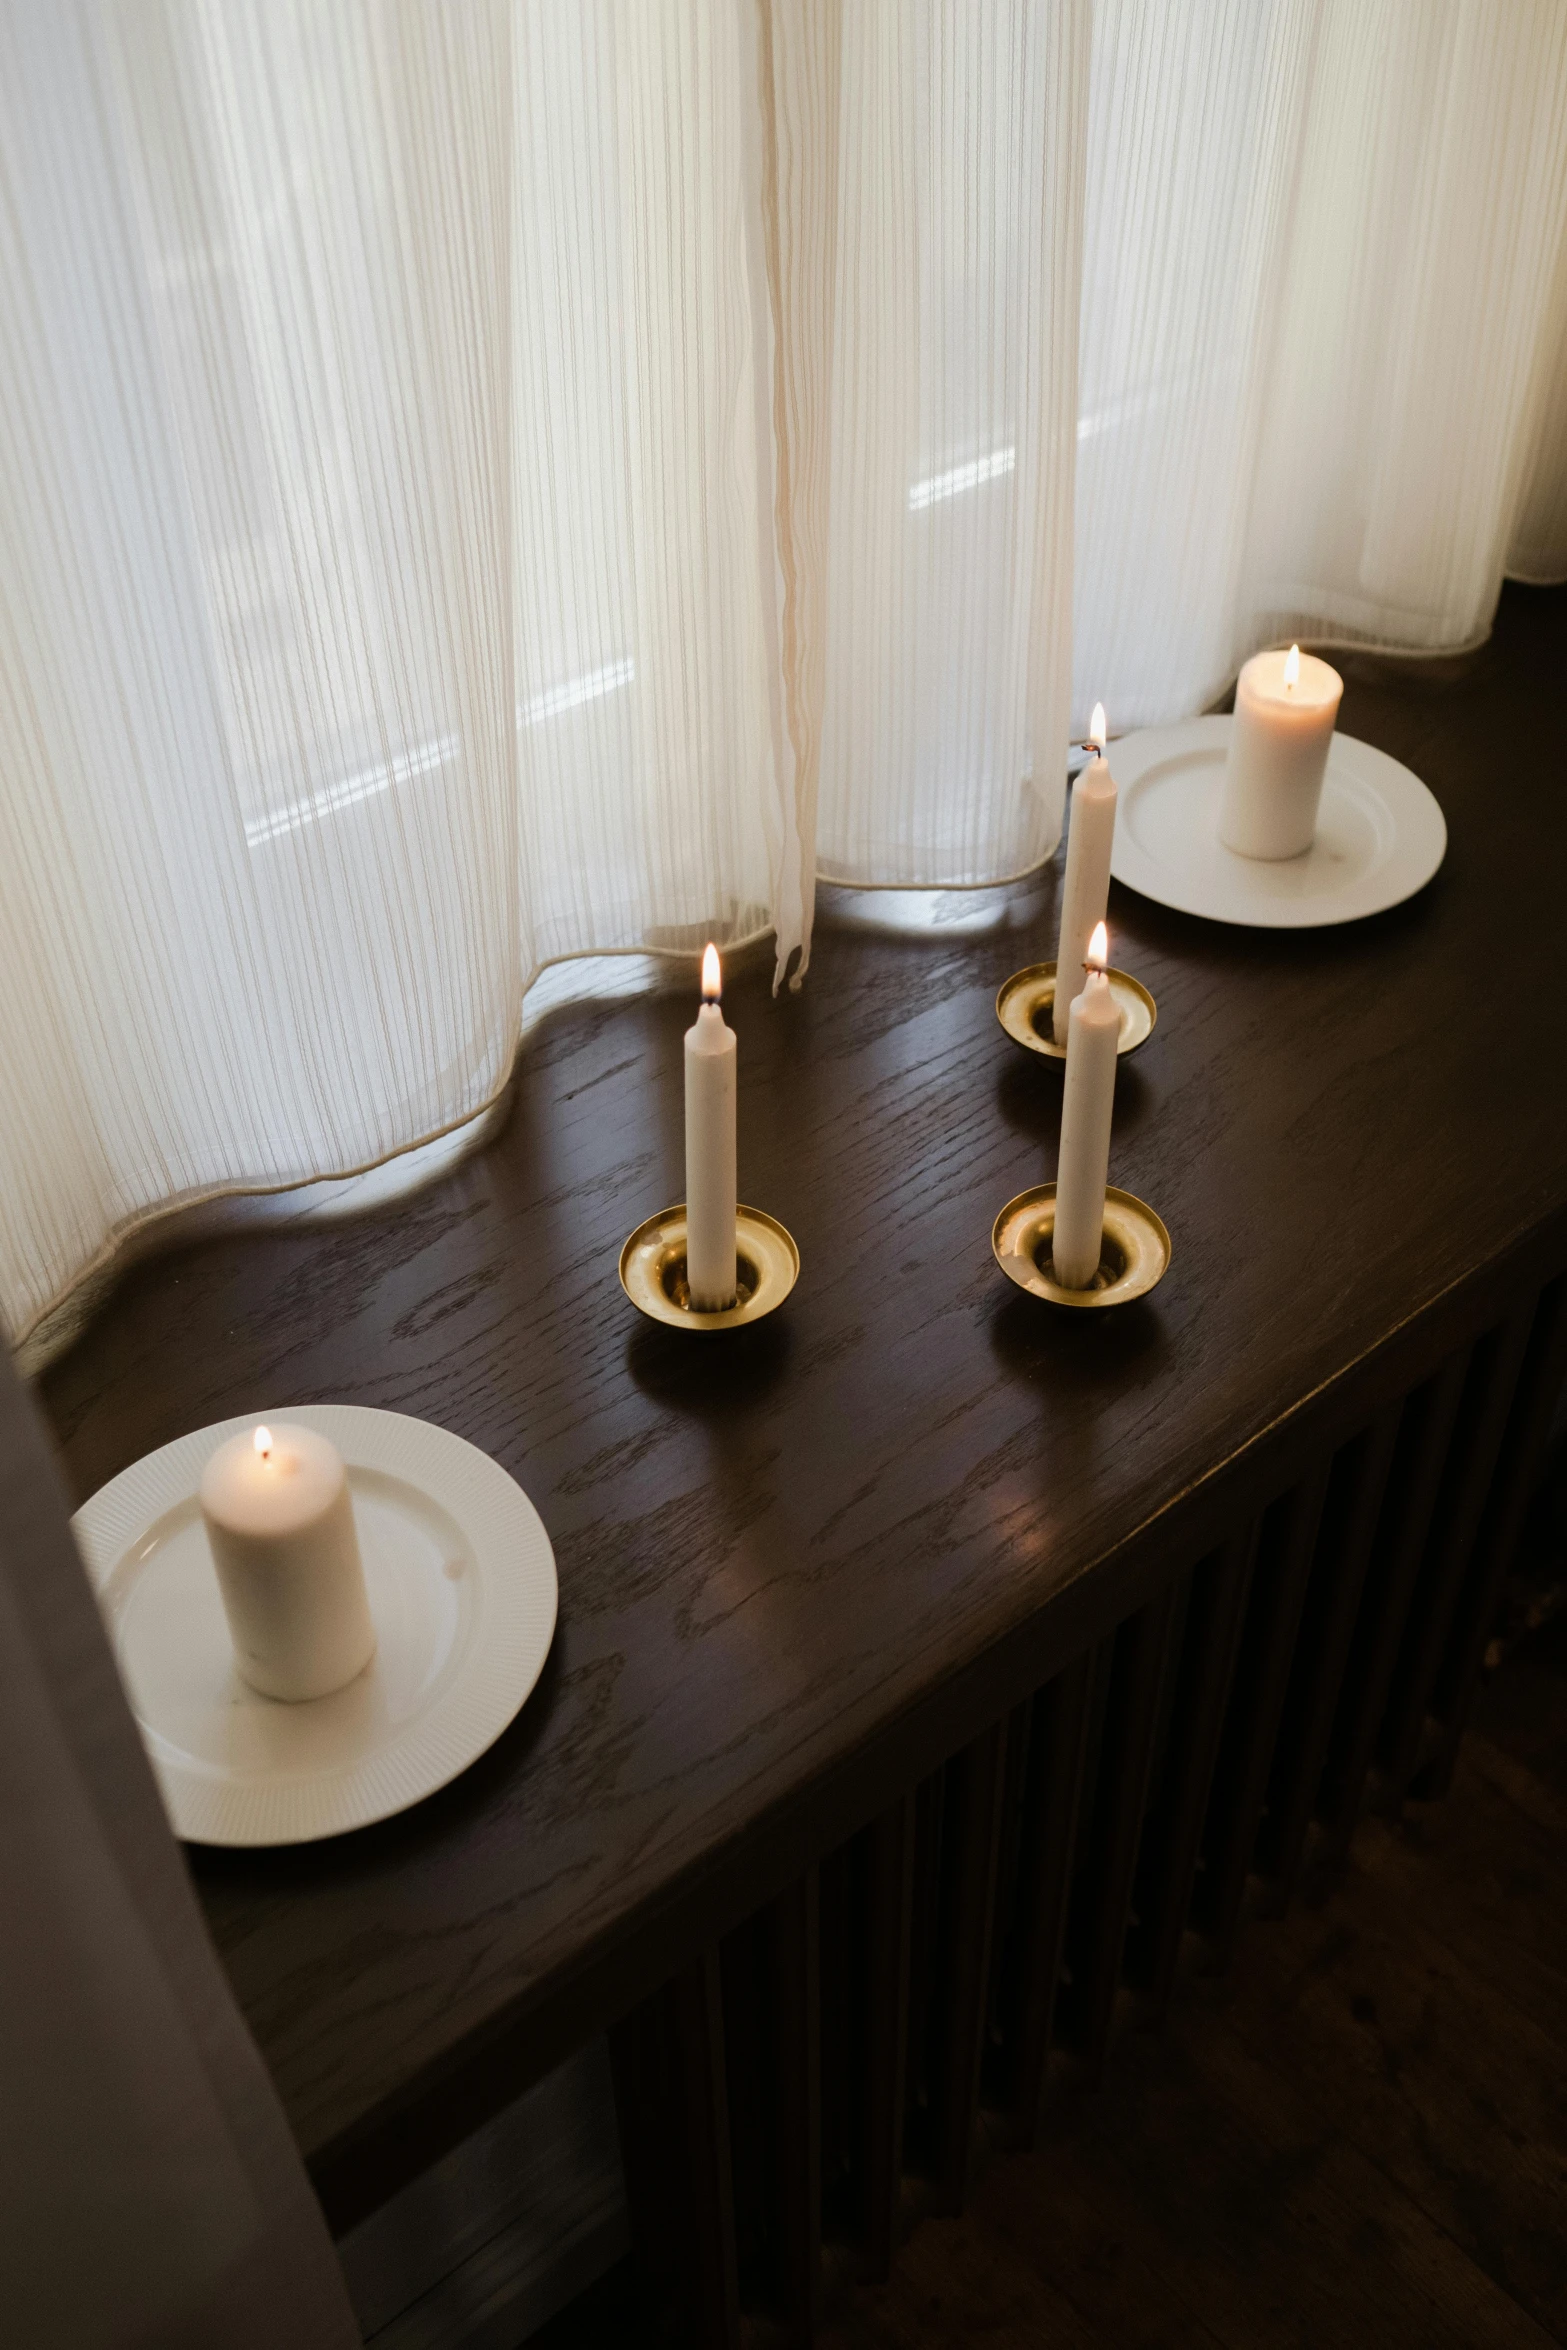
(1134, 1254)
(1025, 1006)
(653, 1270)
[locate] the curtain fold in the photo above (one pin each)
(482, 485)
(1322, 331)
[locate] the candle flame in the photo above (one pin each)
(1098, 948)
(1292, 667)
(712, 976)
(262, 1440)
(1096, 728)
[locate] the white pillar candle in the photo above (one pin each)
(1088, 1097)
(1286, 706)
(1086, 893)
(281, 1526)
(711, 1057)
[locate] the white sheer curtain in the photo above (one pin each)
(483, 484)
(1323, 310)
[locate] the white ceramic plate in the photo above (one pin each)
(462, 1588)
(1380, 834)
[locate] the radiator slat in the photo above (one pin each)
(797, 1943)
(1408, 1504)
(889, 1910)
(973, 1820)
(1344, 1539)
(1477, 1438)
(1534, 1403)
(1102, 1899)
(1285, 1548)
(1167, 1870)
(672, 2100)
(1058, 1736)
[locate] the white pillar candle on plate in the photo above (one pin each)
(1088, 1097)
(281, 1526)
(1086, 891)
(711, 1057)
(1286, 707)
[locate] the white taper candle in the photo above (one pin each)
(1086, 891)
(280, 1523)
(711, 1057)
(1088, 1098)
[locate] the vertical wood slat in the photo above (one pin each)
(921, 2089)
(1344, 1542)
(643, 2073)
(1488, 1393)
(1102, 1904)
(672, 2101)
(1408, 1505)
(974, 1825)
(799, 2070)
(1215, 1614)
(1012, 1881)
(1286, 1546)
(890, 1904)
(844, 2014)
(1058, 1743)
(1535, 1399)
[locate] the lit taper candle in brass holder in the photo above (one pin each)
(1079, 1241)
(1026, 1005)
(653, 1271)
(709, 1264)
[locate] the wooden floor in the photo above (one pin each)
(1358, 2136)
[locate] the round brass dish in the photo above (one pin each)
(1133, 1256)
(1025, 1006)
(653, 1270)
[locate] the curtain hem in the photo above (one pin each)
(57, 1325)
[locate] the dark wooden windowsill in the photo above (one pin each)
(802, 1565)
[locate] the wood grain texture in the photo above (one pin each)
(802, 1569)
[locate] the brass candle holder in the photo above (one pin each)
(1134, 1251)
(653, 1271)
(1025, 1006)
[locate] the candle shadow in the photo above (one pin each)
(711, 1376)
(1059, 1350)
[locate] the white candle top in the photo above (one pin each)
(1096, 1006)
(1286, 682)
(710, 1032)
(274, 1488)
(1095, 781)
